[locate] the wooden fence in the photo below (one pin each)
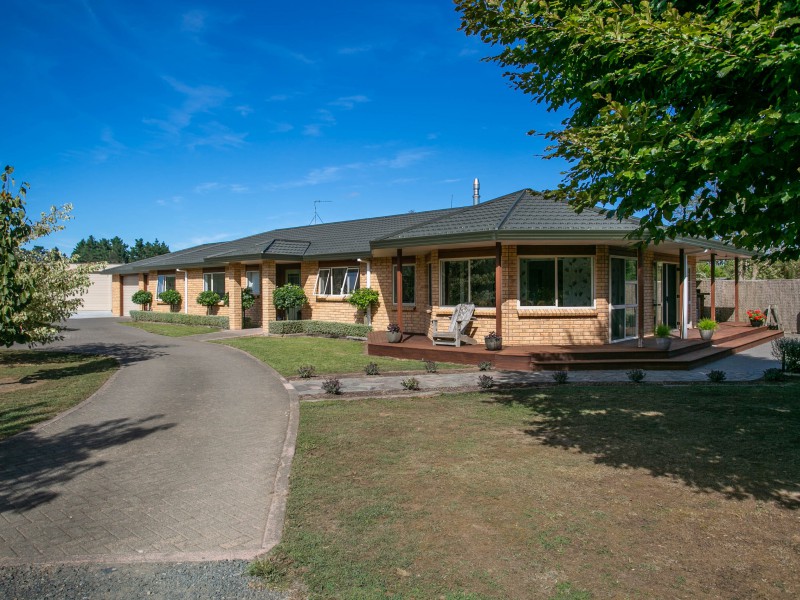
(783, 294)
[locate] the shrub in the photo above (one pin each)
(248, 298)
(560, 376)
(372, 369)
(430, 366)
(306, 371)
(208, 299)
(332, 386)
(635, 375)
(707, 325)
(289, 296)
(412, 383)
(181, 318)
(486, 382)
(662, 330)
(716, 376)
(787, 350)
(171, 297)
(329, 328)
(485, 366)
(363, 298)
(773, 375)
(143, 298)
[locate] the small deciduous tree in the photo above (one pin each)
(363, 299)
(171, 297)
(289, 296)
(208, 298)
(143, 298)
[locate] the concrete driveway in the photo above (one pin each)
(175, 458)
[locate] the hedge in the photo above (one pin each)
(182, 318)
(320, 328)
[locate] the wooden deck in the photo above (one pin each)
(729, 339)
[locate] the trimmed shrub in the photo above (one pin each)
(171, 297)
(412, 383)
(430, 366)
(717, 376)
(363, 298)
(289, 296)
(787, 350)
(372, 369)
(208, 298)
(181, 318)
(142, 298)
(306, 371)
(773, 375)
(329, 328)
(560, 377)
(485, 366)
(486, 382)
(332, 386)
(636, 375)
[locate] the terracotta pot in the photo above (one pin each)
(706, 334)
(394, 336)
(493, 343)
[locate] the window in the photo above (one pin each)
(337, 281)
(253, 281)
(165, 282)
(409, 284)
(469, 280)
(559, 281)
(214, 282)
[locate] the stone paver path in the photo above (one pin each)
(174, 459)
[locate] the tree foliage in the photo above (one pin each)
(686, 114)
(115, 250)
(289, 296)
(40, 288)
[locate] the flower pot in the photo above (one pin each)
(756, 323)
(706, 334)
(394, 336)
(493, 343)
(663, 343)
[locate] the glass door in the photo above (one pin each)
(623, 301)
(293, 277)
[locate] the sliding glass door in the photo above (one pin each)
(623, 301)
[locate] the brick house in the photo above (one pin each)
(537, 272)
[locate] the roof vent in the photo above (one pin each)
(476, 192)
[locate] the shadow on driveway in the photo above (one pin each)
(31, 463)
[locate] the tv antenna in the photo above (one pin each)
(317, 218)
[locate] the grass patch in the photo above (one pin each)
(171, 329)
(566, 492)
(327, 355)
(36, 386)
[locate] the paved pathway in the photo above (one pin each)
(174, 459)
(746, 366)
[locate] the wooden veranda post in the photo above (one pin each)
(682, 291)
(398, 278)
(498, 289)
(714, 287)
(736, 290)
(640, 295)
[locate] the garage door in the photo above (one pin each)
(98, 298)
(130, 285)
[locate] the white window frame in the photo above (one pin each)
(555, 258)
(394, 284)
(344, 290)
(469, 278)
(161, 284)
(256, 289)
(208, 282)
(626, 305)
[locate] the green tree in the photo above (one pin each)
(141, 249)
(115, 250)
(40, 288)
(685, 114)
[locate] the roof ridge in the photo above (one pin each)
(510, 210)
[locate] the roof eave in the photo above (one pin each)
(506, 234)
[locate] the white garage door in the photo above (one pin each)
(130, 285)
(98, 298)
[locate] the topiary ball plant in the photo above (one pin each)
(208, 299)
(171, 297)
(142, 298)
(362, 299)
(289, 296)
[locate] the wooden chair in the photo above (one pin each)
(456, 332)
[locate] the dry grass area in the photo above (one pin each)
(557, 492)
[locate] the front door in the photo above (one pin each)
(293, 277)
(624, 296)
(665, 293)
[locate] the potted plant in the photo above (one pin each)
(142, 298)
(171, 297)
(363, 299)
(663, 339)
(757, 318)
(493, 341)
(289, 296)
(208, 299)
(393, 333)
(707, 328)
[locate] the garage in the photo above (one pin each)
(130, 285)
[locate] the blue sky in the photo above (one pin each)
(196, 122)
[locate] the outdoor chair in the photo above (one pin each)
(456, 332)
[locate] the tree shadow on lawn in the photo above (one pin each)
(32, 462)
(740, 442)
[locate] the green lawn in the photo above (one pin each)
(35, 386)
(285, 354)
(170, 329)
(558, 492)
